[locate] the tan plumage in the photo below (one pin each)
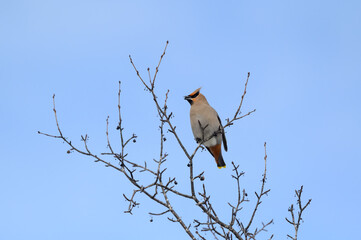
(206, 126)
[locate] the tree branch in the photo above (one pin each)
(297, 222)
(132, 171)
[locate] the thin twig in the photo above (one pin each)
(296, 223)
(262, 191)
(238, 111)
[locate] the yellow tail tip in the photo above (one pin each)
(222, 167)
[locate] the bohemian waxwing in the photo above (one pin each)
(207, 126)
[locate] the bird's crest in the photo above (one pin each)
(195, 93)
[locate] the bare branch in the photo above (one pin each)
(159, 214)
(158, 188)
(131, 201)
(157, 68)
(259, 195)
(297, 222)
(240, 198)
(238, 111)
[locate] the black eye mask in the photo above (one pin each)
(195, 95)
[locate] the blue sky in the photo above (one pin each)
(305, 64)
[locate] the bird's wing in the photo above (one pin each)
(223, 134)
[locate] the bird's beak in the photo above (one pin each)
(187, 97)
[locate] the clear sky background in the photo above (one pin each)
(305, 64)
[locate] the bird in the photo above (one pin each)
(206, 126)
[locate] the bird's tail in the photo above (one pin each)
(220, 162)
